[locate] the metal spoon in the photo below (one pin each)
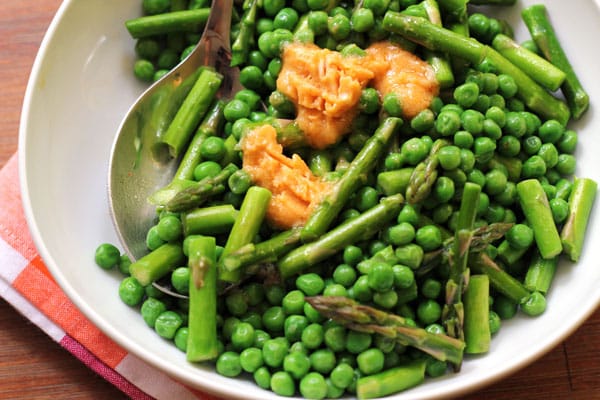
(136, 168)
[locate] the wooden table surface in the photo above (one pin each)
(32, 366)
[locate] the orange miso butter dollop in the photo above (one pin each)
(294, 188)
(325, 87)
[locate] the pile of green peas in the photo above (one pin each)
(268, 332)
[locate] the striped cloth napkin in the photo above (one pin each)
(26, 283)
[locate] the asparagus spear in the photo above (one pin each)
(192, 110)
(424, 175)
(185, 171)
(477, 318)
(453, 313)
(176, 21)
(209, 220)
(438, 61)
(538, 68)
(246, 227)
(202, 343)
(360, 228)
(266, 251)
(534, 204)
(239, 48)
(542, 32)
(367, 319)
(540, 274)
(198, 192)
(391, 381)
(157, 263)
(353, 178)
(438, 38)
(581, 201)
(504, 283)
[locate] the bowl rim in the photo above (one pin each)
(209, 386)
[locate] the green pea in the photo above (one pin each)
(444, 189)
(334, 338)
(181, 338)
(507, 86)
(370, 361)
(491, 129)
(151, 309)
(335, 289)
(313, 336)
(532, 144)
(274, 351)
(509, 146)
(381, 277)
(551, 131)
(323, 361)
(560, 209)
(167, 59)
(392, 105)
(180, 278)
(239, 182)
(568, 142)
(242, 336)
(495, 322)
(169, 228)
(297, 364)
(213, 147)
(131, 291)
(479, 25)
(429, 311)
(414, 150)
(449, 157)
(378, 6)
(311, 284)
(251, 359)
(534, 305)
(262, 377)
(313, 386)
(357, 342)
(387, 299)
(534, 167)
(483, 148)
(361, 290)
(423, 121)
(317, 4)
(428, 237)
(273, 319)
(339, 26)
(342, 375)
(167, 323)
(286, 18)
(566, 164)
(400, 234)
(144, 70)
(107, 256)
(260, 337)
(206, 169)
(366, 198)
(352, 255)
(293, 302)
(495, 182)
(447, 123)
(466, 94)
(463, 139)
(431, 288)
(363, 20)
(497, 115)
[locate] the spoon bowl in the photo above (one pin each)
(138, 166)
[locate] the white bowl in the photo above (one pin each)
(80, 88)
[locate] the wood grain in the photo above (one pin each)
(33, 366)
